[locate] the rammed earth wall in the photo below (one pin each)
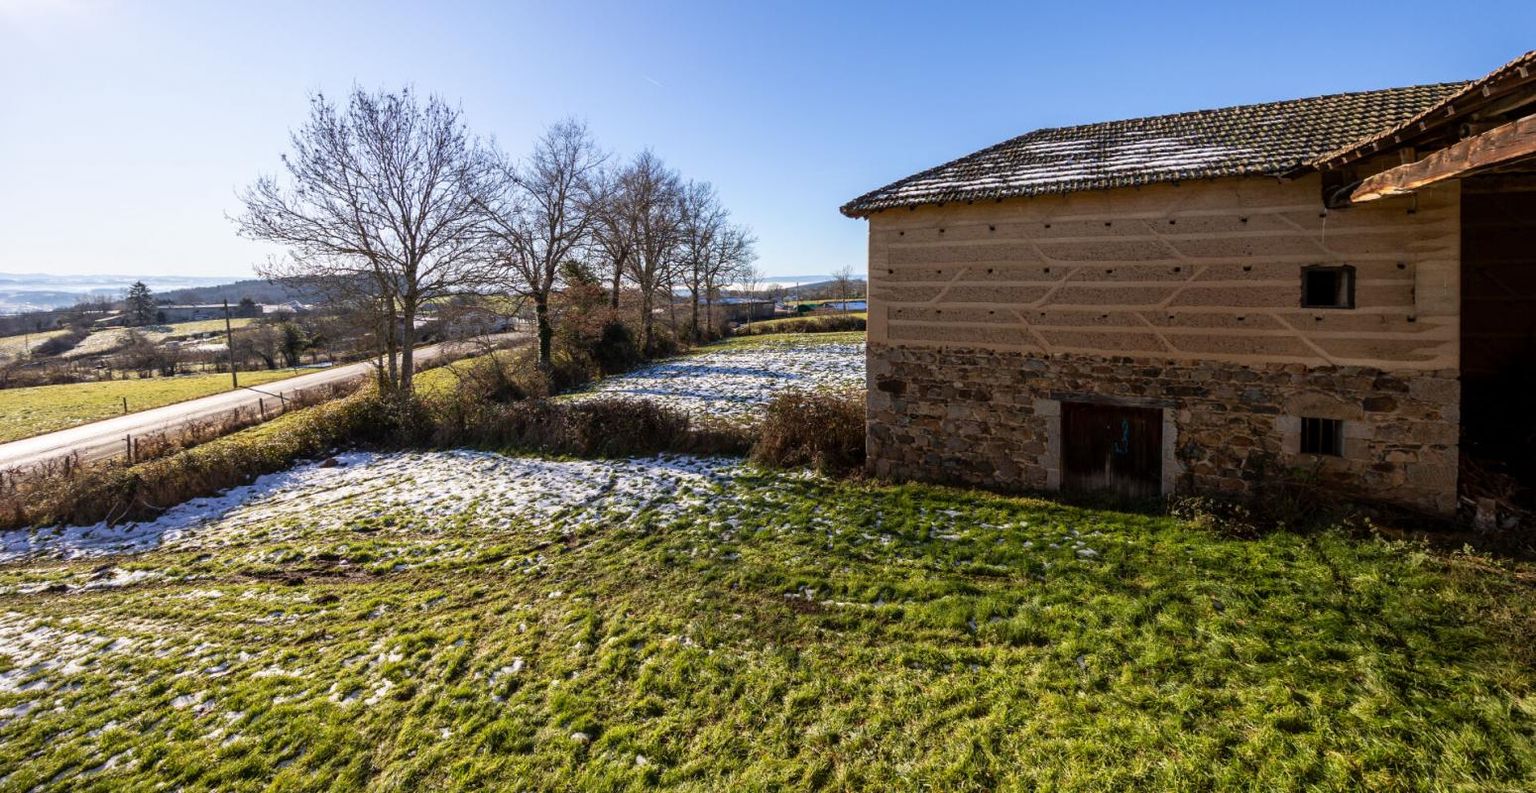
(992, 419)
(985, 317)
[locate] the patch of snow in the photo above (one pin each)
(736, 383)
(436, 484)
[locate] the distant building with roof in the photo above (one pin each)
(1206, 301)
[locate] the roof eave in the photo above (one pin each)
(1475, 95)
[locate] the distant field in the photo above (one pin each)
(12, 346)
(103, 341)
(25, 412)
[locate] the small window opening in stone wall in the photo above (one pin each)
(1322, 436)
(1328, 287)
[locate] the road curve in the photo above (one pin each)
(107, 438)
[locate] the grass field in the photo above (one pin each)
(108, 339)
(15, 346)
(25, 412)
(466, 621)
(782, 340)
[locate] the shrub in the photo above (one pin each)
(62, 343)
(822, 323)
(584, 428)
(1292, 500)
(615, 349)
(823, 430)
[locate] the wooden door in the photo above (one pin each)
(1112, 448)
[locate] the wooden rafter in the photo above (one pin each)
(1497, 146)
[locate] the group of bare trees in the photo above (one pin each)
(388, 203)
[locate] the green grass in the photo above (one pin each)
(781, 633)
(25, 412)
(782, 340)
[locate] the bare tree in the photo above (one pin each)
(614, 229)
(649, 200)
(543, 214)
(701, 226)
(842, 277)
(731, 262)
(381, 207)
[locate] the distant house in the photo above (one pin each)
(743, 309)
(1197, 302)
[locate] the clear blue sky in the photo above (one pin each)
(127, 127)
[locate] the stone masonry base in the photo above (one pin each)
(992, 419)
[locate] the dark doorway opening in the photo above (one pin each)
(1498, 338)
(1112, 448)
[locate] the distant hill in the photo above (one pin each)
(255, 289)
(22, 292)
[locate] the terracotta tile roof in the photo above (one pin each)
(1266, 139)
(1515, 75)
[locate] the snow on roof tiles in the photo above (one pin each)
(1274, 138)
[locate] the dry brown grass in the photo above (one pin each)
(822, 430)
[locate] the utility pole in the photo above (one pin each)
(229, 341)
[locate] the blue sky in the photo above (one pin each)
(127, 127)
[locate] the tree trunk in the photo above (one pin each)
(693, 330)
(645, 322)
(546, 331)
(618, 274)
(407, 347)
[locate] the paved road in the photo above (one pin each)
(105, 439)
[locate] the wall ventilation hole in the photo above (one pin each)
(1178, 269)
(941, 231)
(1247, 268)
(1244, 220)
(1402, 266)
(1322, 436)
(1107, 224)
(991, 228)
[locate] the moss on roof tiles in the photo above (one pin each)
(1273, 138)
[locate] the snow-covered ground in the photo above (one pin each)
(734, 383)
(430, 484)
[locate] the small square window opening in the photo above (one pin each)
(1322, 436)
(1328, 287)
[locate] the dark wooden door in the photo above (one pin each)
(1112, 448)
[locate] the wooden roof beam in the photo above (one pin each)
(1496, 146)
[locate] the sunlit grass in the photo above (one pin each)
(25, 412)
(784, 633)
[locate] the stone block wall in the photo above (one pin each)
(991, 418)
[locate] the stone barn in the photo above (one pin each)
(1344, 285)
